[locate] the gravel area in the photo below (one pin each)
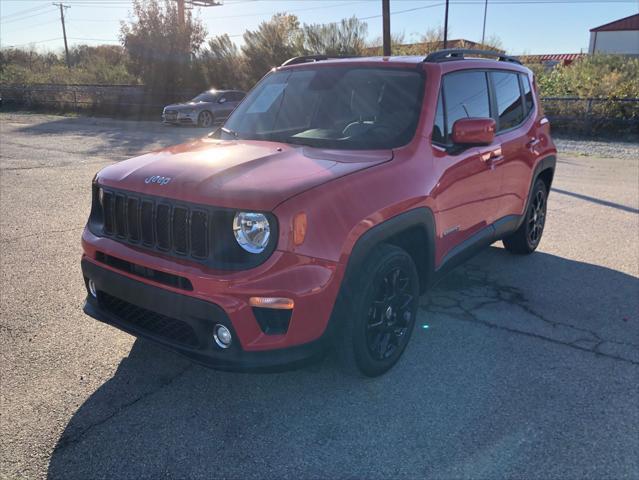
(626, 149)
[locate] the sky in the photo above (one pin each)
(524, 26)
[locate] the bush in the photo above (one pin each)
(600, 86)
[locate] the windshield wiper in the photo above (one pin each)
(230, 132)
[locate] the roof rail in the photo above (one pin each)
(304, 59)
(313, 58)
(459, 54)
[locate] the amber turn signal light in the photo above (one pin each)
(299, 229)
(278, 303)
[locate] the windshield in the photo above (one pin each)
(205, 97)
(344, 108)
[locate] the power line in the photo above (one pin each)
(37, 41)
(22, 27)
(26, 11)
(13, 20)
(94, 39)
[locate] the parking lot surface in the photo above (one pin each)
(524, 367)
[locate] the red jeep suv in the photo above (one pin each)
(336, 193)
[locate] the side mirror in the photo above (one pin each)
(222, 100)
(474, 131)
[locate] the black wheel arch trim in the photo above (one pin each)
(546, 163)
(421, 217)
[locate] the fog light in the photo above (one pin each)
(222, 336)
(92, 289)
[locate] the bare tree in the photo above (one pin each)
(340, 38)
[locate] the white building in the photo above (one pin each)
(620, 36)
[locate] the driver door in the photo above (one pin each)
(467, 193)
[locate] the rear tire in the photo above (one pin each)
(382, 313)
(526, 238)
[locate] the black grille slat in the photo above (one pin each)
(107, 206)
(163, 226)
(146, 223)
(133, 219)
(149, 321)
(199, 234)
(120, 216)
(180, 230)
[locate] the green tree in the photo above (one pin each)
(274, 42)
(159, 48)
(222, 64)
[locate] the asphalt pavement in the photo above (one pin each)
(520, 367)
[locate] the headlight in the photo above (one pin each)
(251, 231)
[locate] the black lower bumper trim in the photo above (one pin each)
(180, 322)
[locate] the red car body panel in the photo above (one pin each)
(343, 195)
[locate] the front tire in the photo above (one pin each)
(526, 238)
(205, 119)
(382, 314)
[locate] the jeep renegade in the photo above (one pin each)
(335, 193)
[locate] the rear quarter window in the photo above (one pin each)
(528, 94)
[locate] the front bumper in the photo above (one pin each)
(180, 118)
(312, 284)
(180, 322)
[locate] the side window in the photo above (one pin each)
(509, 104)
(528, 95)
(439, 131)
(465, 96)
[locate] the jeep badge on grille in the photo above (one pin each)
(157, 179)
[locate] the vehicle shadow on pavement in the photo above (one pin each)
(124, 137)
(446, 409)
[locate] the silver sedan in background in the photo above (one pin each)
(204, 110)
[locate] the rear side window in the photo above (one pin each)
(528, 95)
(510, 108)
(465, 96)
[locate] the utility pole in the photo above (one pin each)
(180, 12)
(194, 3)
(64, 31)
(386, 35)
(446, 27)
(483, 32)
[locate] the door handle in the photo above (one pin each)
(492, 157)
(533, 143)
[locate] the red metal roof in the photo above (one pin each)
(553, 56)
(628, 23)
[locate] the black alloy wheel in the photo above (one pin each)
(382, 298)
(390, 315)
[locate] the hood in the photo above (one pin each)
(186, 105)
(236, 174)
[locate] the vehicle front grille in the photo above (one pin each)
(156, 224)
(155, 323)
(185, 230)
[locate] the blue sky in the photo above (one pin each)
(524, 26)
